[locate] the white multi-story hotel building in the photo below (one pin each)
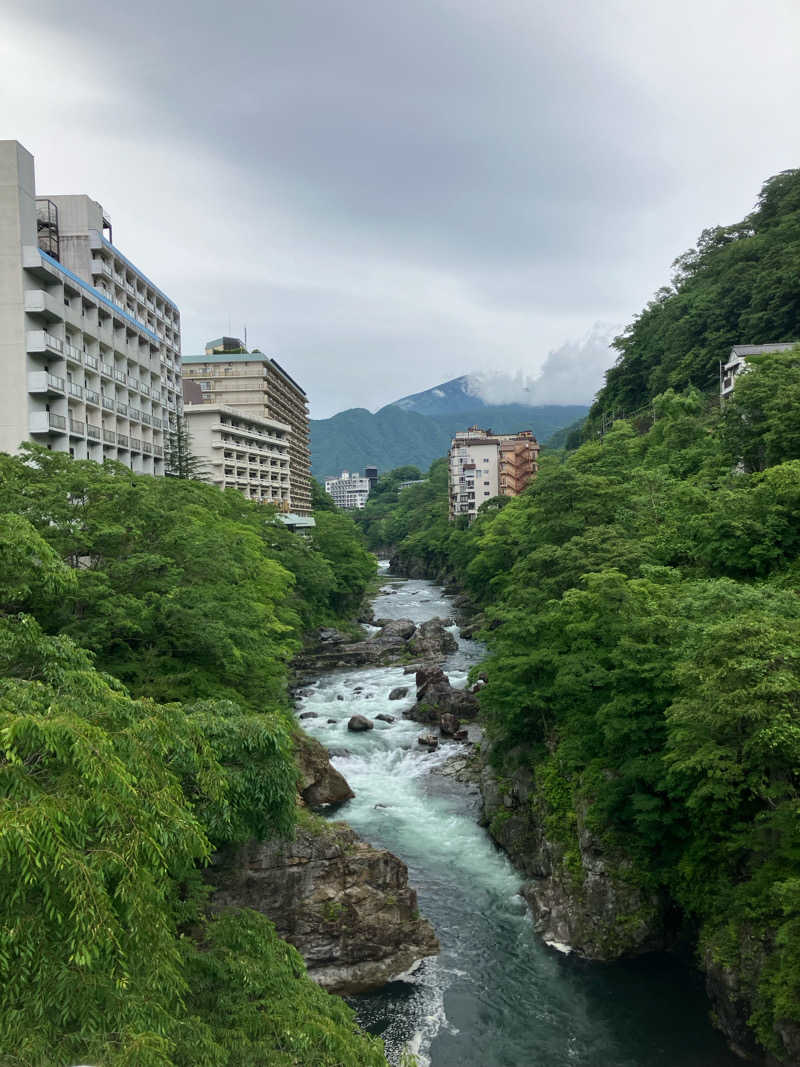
(239, 450)
(89, 346)
(350, 491)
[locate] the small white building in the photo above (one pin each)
(737, 363)
(349, 491)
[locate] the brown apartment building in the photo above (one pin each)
(254, 384)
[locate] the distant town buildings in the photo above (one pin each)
(483, 465)
(89, 346)
(255, 384)
(737, 363)
(350, 491)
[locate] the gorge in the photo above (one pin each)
(496, 994)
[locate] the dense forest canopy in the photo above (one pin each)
(145, 630)
(643, 624)
(739, 285)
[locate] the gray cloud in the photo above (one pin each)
(571, 374)
(391, 194)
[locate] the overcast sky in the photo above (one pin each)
(389, 195)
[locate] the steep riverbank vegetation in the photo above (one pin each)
(739, 285)
(643, 622)
(146, 626)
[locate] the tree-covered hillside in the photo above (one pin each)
(643, 625)
(394, 437)
(739, 285)
(145, 629)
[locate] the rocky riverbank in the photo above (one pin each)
(346, 906)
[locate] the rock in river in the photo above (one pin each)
(398, 692)
(359, 723)
(320, 783)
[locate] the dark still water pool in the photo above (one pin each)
(496, 996)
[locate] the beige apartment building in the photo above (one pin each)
(483, 465)
(255, 384)
(241, 451)
(89, 346)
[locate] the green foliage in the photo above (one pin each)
(111, 805)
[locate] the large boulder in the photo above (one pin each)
(360, 723)
(437, 698)
(398, 692)
(402, 628)
(389, 646)
(320, 784)
(346, 906)
(432, 640)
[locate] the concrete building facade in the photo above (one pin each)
(255, 384)
(483, 465)
(349, 491)
(239, 450)
(89, 346)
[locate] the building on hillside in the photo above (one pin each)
(239, 450)
(483, 465)
(371, 474)
(256, 384)
(89, 346)
(349, 491)
(737, 363)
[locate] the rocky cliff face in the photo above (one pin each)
(398, 641)
(580, 896)
(346, 907)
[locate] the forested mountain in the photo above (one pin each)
(739, 285)
(445, 399)
(642, 708)
(146, 626)
(394, 436)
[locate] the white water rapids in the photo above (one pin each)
(496, 996)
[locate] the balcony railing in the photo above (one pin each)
(120, 376)
(136, 444)
(122, 409)
(106, 370)
(92, 397)
(77, 428)
(146, 419)
(108, 402)
(122, 440)
(44, 382)
(133, 382)
(158, 450)
(90, 361)
(109, 437)
(76, 390)
(93, 432)
(42, 341)
(73, 354)
(134, 414)
(147, 448)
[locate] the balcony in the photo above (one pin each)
(91, 362)
(158, 451)
(42, 382)
(122, 409)
(92, 397)
(144, 389)
(136, 444)
(77, 428)
(75, 390)
(40, 341)
(47, 422)
(106, 371)
(94, 433)
(120, 376)
(99, 266)
(73, 354)
(108, 402)
(147, 448)
(133, 382)
(134, 414)
(109, 437)
(122, 440)
(38, 302)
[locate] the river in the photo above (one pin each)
(496, 996)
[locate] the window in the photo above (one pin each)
(485, 483)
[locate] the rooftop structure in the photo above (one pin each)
(256, 384)
(89, 345)
(483, 465)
